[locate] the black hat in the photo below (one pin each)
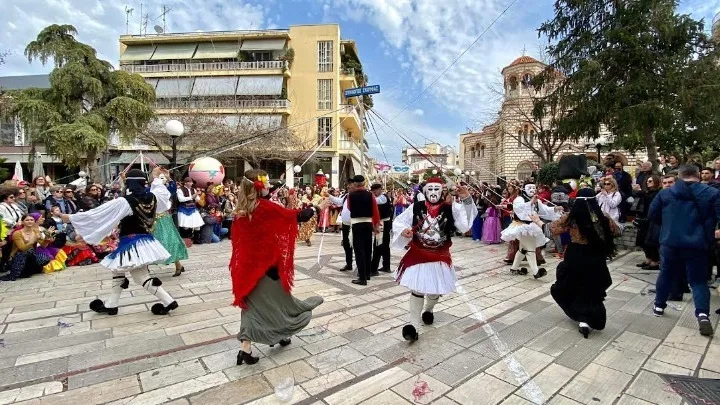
(358, 179)
(135, 174)
(376, 186)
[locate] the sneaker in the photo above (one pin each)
(704, 325)
(657, 311)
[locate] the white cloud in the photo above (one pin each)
(418, 112)
(101, 23)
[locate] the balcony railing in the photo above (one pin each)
(348, 71)
(239, 104)
(347, 144)
(204, 66)
(351, 109)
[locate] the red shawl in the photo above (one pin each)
(258, 244)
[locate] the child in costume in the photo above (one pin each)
(167, 234)
(426, 269)
(135, 214)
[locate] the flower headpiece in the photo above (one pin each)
(260, 183)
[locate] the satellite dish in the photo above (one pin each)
(158, 29)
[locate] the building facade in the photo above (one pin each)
(282, 87)
(428, 156)
(503, 148)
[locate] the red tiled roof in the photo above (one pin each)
(523, 59)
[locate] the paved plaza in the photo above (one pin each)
(500, 339)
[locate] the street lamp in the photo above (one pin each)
(598, 144)
(174, 129)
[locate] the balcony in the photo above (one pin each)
(349, 146)
(350, 119)
(262, 106)
(347, 78)
(196, 67)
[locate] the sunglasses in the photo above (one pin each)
(607, 184)
(94, 189)
(68, 192)
(58, 192)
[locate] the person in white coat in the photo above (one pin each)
(426, 269)
(609, 198)
(134, 215)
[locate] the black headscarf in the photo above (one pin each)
(591, 221)
(136, 182)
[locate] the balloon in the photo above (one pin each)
(457, 171)
(205, 170)
(297, 169)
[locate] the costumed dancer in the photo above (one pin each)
(135, 213)
(381, 248)
(167, 234)
(427, 269)
(262, 268)
(307, 228)
(527, 233)
(188, 216)
(583, 276)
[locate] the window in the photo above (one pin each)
(325, 131)
(325, 56)
(524, 170)
(520, 134)
(472, 152)
(482, 151)
(262, 56)
(532, 136)
(527, 80)
(513, 83)
(325, 94)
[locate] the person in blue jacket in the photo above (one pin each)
(688, 213)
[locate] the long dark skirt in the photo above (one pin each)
(273, 314)
(582, 278)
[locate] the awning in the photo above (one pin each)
(174, 51)
(357, 166)
(215, 86)
(252, 122)
(167, 88)
(134, 53)
(217, 50)
(152, 82)
(263, 44)
(260, 86)
(25, 158)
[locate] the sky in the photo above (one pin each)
(404, 45)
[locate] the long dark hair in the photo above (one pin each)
(592, 223)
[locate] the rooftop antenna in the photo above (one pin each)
(165, 11)
(141, 17)
(128, 13)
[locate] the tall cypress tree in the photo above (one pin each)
(649, 74)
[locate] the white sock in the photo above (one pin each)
(416, 307)
(584, 325)
(430, 301)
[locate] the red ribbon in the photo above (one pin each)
(259, 185)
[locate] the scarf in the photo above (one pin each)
(260, 243)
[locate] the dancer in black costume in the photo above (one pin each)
(583, 276)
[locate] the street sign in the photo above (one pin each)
(361, 91)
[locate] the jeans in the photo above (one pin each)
(217, 236)
(673, 263)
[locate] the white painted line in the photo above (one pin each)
(521, 375)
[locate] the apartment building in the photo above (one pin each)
(284, 85)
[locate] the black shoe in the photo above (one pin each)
(385, 270)
(409, 333)
(653, 267)
(285, 342)
(359, 282)
(247, 358)
(178, 272)
(346, 268)
(160, 309)
(541, 262)
(374, 274)
(643, 264)
(704, 325)
(585, 331)
(99, 307)
(541, 273)
(506, 261)
(428, 318)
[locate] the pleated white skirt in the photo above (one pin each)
(435, 278)
(137, 254)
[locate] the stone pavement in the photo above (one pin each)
(500, 339)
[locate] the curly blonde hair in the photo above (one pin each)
(247, 196)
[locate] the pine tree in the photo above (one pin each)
(87, 99)
(649, 74)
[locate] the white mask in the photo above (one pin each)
(433, 192)
(163, 178)
(530, 190)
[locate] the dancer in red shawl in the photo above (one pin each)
(262, 268)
